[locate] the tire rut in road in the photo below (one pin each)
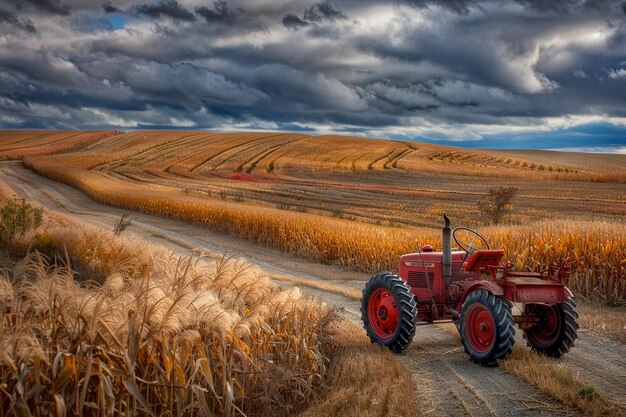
(468, 388)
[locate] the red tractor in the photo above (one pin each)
(471, 288)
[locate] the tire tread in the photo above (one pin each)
(505, 330)
(407, 308)
(568, 335)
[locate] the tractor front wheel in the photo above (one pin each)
(554, 335)
(389, 311)
(486, 327)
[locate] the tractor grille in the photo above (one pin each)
(417, 279)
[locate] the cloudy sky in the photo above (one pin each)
(519, 73)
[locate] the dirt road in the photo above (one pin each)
(435, 358)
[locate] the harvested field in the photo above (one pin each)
(378, 182)
(25, 143)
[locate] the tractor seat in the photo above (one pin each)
(482, 258)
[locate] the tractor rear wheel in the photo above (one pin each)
(389, 311)
(486, 327)
(557, 330)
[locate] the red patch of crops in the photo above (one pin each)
(242, 176)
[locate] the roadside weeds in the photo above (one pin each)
(366, 380)
(558, 381)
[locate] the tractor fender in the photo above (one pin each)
(489, 286)
(569, 292)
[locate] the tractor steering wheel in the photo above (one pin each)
(473, 242)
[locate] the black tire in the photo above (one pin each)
(566, 331)
(396, 337)
(487, 328)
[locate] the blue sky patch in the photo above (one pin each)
(117, 21)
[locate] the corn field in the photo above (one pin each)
(595, 250)
(151, 334)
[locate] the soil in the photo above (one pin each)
(435, 358)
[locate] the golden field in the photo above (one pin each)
(373, 181)
(24, 143)
(360, 202)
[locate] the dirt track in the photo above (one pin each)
(435, 358)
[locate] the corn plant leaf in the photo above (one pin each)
(228, 399)
(83, 394)
(133, 388)
(60, 410)
(21, 408)
(203, 364)
(133, 339)
(200, 393)
(67, 370)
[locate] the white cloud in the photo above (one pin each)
(103, 117)
(594, 149)
(11, 119)
(181, 122)
(49, 112)
(617, 73)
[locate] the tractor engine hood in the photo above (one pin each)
(417, 259)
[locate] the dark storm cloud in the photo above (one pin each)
(457, 6)
(50, 6)
(169, 8)
(455, 69)
(108, 8)
(571, 6)
(219, 13)
(12, 19)
(318, 13)
(292, 21)
(323, 11)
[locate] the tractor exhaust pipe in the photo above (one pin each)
(447, 251)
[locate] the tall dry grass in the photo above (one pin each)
(159, 335)
(366, 382)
